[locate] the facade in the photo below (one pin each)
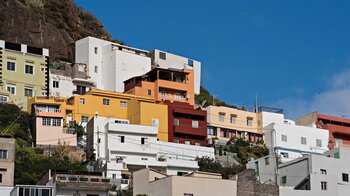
(70, 79)
(137, 109)
(48, 124)
(186, 124)
(24, 72)
(152, 182)
(110, 64)
(339, 128)
(164, 85)
(289, 142)
(7, 162)
(122, 148)
(24, 190)
(167, 60)
(226, 123)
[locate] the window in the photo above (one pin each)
(143, 140)
(181, 173)
(284, 179)
(122, 139)
(323, 185)
(11, 66)
(336, 155)
(82, 101)
(303, 140)
(197, 143)
(190, 62)
(284, 138)
(163, 94)
(267, 161)
(42, 68)
(345, 177)
(323, 171)
(233, 119)
(29, 69)
(114, 176)
(188, 194)
(177, 96)
(149, 92)
(3, 154)
(56, 84)
(0, 178)
(96, 69)
(84, 119)
(95, 50)
(195, 123)
(56, 122)
(176, 140)
(46, 121)
(162, 55)
(187, 142)
(28, 92)
(221, 117)
(176, 122)
(81, 89)
(3, 98)
(123, 104)
(318, 143)
(105, 101)
(11, 89)
(285, 154)
(211, 131)
(249, 122)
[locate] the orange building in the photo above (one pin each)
(164, 85)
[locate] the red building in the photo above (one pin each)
(186, 124)
(339, 128)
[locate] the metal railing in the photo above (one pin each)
(82, 179)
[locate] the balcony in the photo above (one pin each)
(188, 129)
(338, 129)
(48, 112)
(81, 182)
(168, 84)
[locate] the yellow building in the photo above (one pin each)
(24, 72)
(137, 109)
(225, 123)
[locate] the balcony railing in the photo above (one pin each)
(82, 179)
(55, 110)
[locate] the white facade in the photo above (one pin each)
(110, 64)
(167, 60)
(292, 141)
(131, 147)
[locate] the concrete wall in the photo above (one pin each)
(7, 166)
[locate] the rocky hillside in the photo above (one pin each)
(52, 24)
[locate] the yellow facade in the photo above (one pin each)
(137, 109)
(240, 123)
(14, 75)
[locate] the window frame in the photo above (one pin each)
(162, 55)
(284, 136)
(233, 119)
(31, 89)
(345, 177)
(105, 101)
(25, 69)
(221, 117)
(55, 82)
(319, 143)
(11, 86)
(195, 124)
(123, 104)
(15, 66)
(301, 140)
(82, 100)
(46, 121)
(323, 185)
(84, 117)
(4, 152)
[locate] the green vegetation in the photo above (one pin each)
(208, 99)
(210, 165)
(31, 163)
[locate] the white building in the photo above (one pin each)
(171, 61)
(126, 147)
(110, 64)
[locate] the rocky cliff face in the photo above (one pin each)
(52, 24)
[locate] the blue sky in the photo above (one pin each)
(293, 54)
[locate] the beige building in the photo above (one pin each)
(153, 183)
(225, 123)
(7, 161)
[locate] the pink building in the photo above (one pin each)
(48, 126)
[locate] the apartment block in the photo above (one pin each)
(110, 64)
(186, 124)
(338, 127)
(24, 72)
(7, 161)
(164, 85)
(125, 148)
(48, 123)
(226, 123)
(137, 109)
(70, 79)
(152, 182)
(167, 60)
